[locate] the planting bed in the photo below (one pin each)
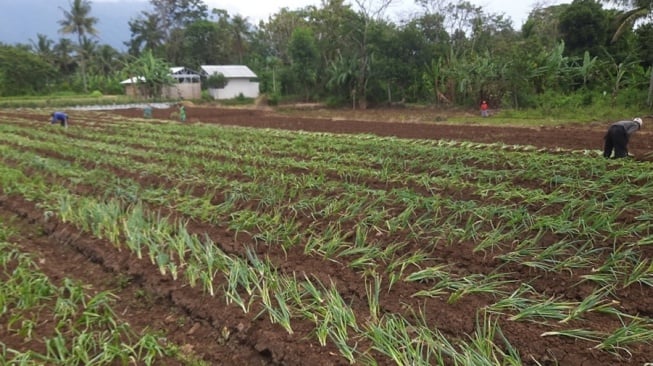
(420, 124)
(416, 242)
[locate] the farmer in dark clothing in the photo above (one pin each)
(617, 137)
(60, 117)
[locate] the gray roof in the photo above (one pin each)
(229, 71)
(177, 72)
(183, 71)
(134, 80)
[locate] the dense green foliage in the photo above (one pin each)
(22, 72)
(451, 52)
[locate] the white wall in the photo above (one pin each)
(234, 88)
(175, 91)
(183, 90)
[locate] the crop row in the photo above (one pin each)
(252, 281)
(72, 327)
(382, 207)
(287, 198)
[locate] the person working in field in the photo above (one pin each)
(484, 109)
(59, 117)
(182, 113)
(617, 137)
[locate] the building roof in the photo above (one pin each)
(177, 72)
(229, 71)
(177, 69)
(183, 72)
(134, 80)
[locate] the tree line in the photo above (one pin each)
(354, 54)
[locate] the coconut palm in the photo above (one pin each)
(636, 10)
(78, 21)
(43, 46)
(105, 61)
(146, 34)
(241, 32)
(62, 56)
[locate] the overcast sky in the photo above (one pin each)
(256, 10)
(20, 24)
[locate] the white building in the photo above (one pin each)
(186, 86)
(240, 80)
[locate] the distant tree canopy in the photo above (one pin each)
(449, 53)
(23, 72)
(584, 27)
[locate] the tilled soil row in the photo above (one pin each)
(349, 283)
(203, 326)
(294, 260)
(384, 122)
(269, 345)
(257, 338)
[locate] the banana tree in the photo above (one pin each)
(619, 72)
(551, 68)
(150, 73)
(434, 80)
(637, 10)
(587, 68)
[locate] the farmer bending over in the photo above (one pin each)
(617, 137)
(60, 117)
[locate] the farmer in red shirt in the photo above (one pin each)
(484, 107)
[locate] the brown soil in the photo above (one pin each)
(224, 335)
(414, 123)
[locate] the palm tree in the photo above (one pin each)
(106, 61)
(43, 46)
(636, 10)
(146, 34)
(241, 32)
(63, 59)
(78, 21)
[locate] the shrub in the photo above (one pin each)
(336, 101)
(206, 96)
(216, 81)
(238, 100)
(273, 99)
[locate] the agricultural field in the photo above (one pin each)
(247, 237)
